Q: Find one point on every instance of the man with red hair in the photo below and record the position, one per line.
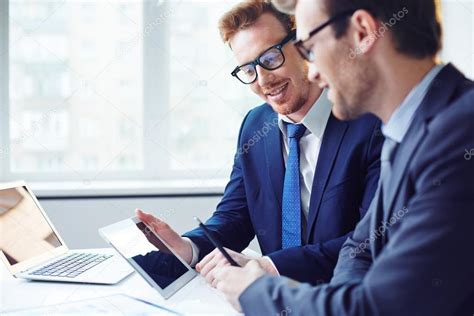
(301, 179)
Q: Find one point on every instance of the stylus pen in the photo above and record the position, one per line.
(216, 243)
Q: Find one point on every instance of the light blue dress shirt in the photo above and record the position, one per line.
(398, 124)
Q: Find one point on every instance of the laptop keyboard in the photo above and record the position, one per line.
(71, 266)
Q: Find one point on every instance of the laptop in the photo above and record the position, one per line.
(32, 248)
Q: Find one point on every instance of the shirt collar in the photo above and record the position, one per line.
(315, 120)
(398, 124)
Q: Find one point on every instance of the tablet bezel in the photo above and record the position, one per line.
(170, 289)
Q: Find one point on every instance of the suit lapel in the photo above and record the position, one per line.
(404, 155)
(330, 145)
(436, 100)
(376, 223)
(274, 160)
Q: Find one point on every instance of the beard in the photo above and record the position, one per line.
(293, 106)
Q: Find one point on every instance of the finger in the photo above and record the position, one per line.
(220, 285)
(221, 281)
(221, 274)
(154, 222)
(205, 260)
(140, 214)
(212, 267)
(144, 217)
(208, 273)
(209, 266)
(214, 283)
(210, 278)
(217, 270)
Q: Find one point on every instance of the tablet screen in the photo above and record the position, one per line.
(139, 245)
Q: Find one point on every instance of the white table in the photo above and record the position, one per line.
(197, 297)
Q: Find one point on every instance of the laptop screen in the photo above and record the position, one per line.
(24, 231)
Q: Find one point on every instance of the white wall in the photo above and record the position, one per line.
(458, 39)
(78, 220)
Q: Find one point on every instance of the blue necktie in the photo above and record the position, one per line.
(291, 204)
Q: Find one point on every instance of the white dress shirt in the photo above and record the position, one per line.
(315, 122)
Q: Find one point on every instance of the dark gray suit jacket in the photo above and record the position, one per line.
(418, 257)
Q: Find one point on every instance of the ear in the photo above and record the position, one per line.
(364, 32)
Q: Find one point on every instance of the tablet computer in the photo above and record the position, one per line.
(149, 255)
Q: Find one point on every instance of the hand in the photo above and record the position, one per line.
(216, 260)
(152, 238)
(173, 239)
(233, 281)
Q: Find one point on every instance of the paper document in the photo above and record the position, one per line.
(119, 304)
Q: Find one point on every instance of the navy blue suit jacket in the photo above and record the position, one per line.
(416, 257)
(345, 181)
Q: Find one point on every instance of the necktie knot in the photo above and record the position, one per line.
(295, 130)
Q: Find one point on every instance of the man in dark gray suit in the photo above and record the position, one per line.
(412, 253)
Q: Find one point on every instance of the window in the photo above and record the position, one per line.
(66, 103)
(126, 89)
(132, 89)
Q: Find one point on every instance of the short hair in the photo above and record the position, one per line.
(246, 14)
(414, 24)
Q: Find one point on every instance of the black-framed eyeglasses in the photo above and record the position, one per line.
(272, 58)
(307, 54)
